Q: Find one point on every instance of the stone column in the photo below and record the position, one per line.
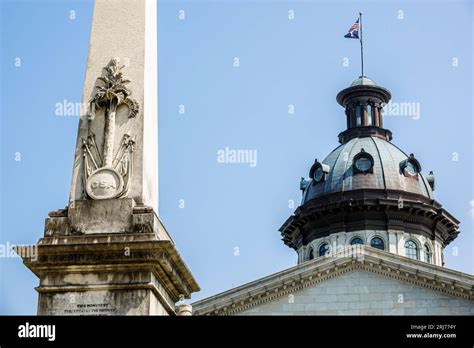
(437, 259)
(341, 239)
(185, 310)
(401, 244)
(333, 243)
(392, 242)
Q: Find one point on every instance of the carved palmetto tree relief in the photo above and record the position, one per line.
(109, 96)
(110, 93)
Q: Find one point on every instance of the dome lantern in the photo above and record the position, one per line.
(363, 101)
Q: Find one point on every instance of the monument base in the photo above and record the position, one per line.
(109, 274)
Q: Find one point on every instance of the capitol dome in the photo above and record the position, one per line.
(369, 191)
(387, 172)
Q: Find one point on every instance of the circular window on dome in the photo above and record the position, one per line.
(410, 167)
(318, 171)
(318, 174)
(363, 163)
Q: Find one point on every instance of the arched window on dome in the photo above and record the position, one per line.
(377, 243)
(356, 240)
(311, 254)
(323, 249)
(411, 250)
(358, 115)
(428, 253)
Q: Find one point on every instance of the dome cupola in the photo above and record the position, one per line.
(364, 101)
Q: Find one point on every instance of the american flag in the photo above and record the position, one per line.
(353, 31)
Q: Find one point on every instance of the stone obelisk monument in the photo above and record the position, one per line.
(108, 253)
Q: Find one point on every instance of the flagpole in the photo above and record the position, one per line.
(361, 45)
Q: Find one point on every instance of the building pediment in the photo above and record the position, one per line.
(314, 273)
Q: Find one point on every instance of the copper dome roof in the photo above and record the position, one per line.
(363, 80)
(387, 171)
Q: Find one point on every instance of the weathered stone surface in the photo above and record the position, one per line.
(101, 302)
(127, 30)
(108, 253)
(101, 216)
(115, 274)
(185, 310)
(105, 216)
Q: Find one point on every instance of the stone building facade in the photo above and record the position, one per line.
(356, 280)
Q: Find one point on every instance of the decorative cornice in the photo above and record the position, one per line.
(89, 253)
(341, 211)
(367, 131)
(347, 94)
(354, 258)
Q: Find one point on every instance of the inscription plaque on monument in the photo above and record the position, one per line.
(91, 309)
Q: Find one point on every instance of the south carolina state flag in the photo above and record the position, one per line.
(353, 31)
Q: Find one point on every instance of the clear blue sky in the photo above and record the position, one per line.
(282, 62)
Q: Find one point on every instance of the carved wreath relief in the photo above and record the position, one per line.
(107, 173)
